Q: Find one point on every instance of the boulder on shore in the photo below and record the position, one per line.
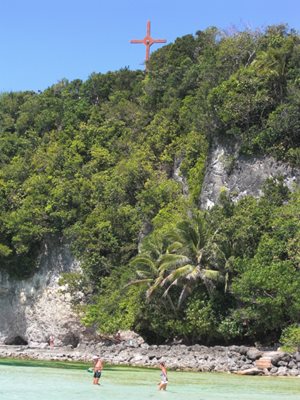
(250, 371)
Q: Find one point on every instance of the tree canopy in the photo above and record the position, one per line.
(115, 165)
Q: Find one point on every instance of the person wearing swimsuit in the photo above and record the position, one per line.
(164, 377)
(98, 366)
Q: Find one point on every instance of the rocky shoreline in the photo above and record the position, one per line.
(232, 359)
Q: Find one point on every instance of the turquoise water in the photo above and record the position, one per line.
(38, 383)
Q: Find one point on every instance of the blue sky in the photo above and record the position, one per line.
(44, 41)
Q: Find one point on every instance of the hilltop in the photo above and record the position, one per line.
(123, 167)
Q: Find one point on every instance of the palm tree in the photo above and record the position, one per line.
(187, 261)
(273, 64)
(180, 259)
(148, 266)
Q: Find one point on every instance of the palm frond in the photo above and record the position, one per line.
(171, 261)
(179, 273)
(144, 274)
(166, 292)
(142, 259)
(138, 282)
(212, 274)
(186, 290)
(174, 247)
(194, 274)
(154, 287)
(144, 262)
(226, 278)
(187, 233)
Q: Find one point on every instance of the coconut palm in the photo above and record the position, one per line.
(148, 264)
(189, 261)
(180, 259)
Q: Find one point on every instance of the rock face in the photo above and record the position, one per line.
(178, 177)
(35, 308)
(240, 175)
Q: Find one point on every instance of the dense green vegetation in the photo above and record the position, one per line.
(93, 163)
(290, 338)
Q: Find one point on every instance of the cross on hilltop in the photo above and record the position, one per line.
(148, 41)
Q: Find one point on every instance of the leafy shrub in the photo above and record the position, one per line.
(290, 338)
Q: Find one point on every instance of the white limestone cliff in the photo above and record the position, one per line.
(33, 309)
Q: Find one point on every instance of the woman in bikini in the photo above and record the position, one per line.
(163, 377)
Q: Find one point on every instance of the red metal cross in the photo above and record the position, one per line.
(148, 41)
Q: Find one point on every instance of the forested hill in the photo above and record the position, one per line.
(93, 163)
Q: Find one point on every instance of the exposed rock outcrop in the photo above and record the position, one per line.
(35, 308)
(179, 177)
(239, 175)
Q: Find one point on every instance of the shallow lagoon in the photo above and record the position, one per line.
(119, 383)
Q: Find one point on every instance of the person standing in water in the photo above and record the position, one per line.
(163, 377)
(98, 366)
(51, 342)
